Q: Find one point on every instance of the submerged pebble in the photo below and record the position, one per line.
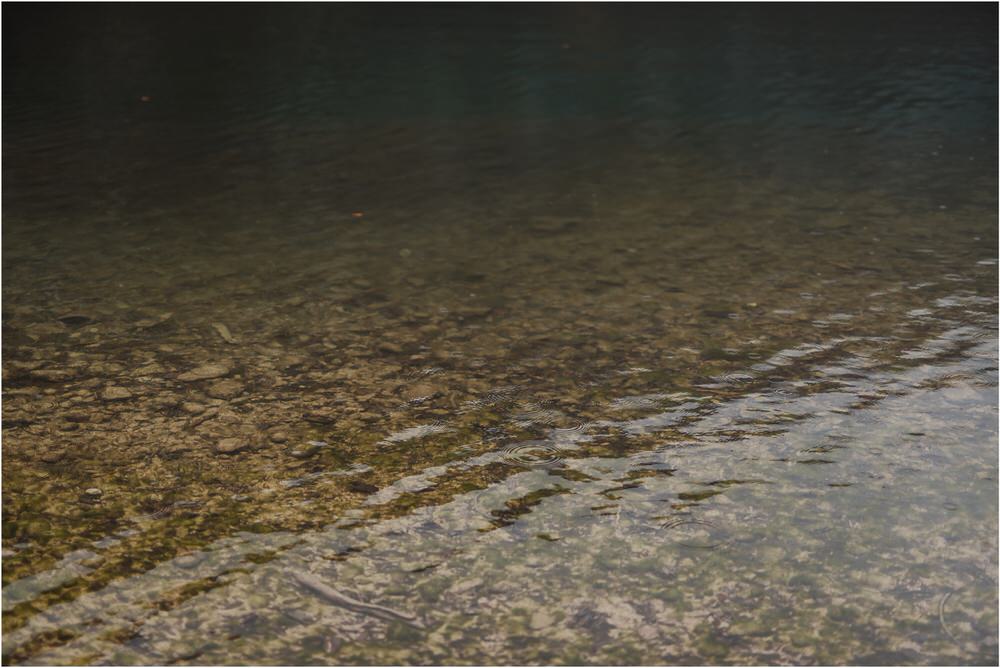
(541, 619)
(54, 375)
(304, 451)
(74, 319)
(421, 391)
(225, 389)
(190, 560)
(115, 393)
(52, 456)
(204, 372)
(228, 446)
(223, 332)
(361, 487)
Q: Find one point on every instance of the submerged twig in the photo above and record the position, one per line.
(331, 595)
(944, 601)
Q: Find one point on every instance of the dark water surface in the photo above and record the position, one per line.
(550, 334)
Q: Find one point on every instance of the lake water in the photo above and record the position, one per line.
(490, 335)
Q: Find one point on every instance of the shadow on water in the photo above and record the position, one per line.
(575, 335)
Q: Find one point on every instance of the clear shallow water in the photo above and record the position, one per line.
(652, 343)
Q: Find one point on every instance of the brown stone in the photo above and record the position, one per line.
(225, 389)
(229, 446)
(205, 372)
(115, 393)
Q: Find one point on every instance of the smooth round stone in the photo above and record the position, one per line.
(189, 560)
(304, 451)
(228, 446)
(115, 393)
(225, 389)
(421, 391)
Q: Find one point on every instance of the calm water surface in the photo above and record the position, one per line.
(577, 334)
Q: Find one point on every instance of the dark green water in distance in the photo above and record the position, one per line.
(576, 334)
